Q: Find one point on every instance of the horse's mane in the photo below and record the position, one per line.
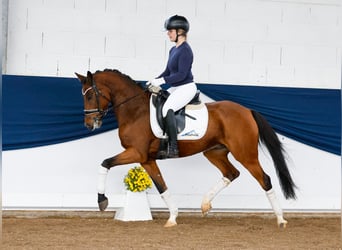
(118, 72)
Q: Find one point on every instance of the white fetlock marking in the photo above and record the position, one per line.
(101, 182)
(171, 221)
(208, 197)
(172, 208)
(276, 207)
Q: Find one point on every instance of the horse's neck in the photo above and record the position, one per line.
(130, 101)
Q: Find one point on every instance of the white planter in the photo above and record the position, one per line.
(136, 208)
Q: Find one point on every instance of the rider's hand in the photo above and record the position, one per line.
(152, 88)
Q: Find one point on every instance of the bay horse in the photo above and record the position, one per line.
(232, 128)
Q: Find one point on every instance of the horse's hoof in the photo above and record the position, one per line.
(282, 224)
(170, 223)
(103, 205)
(206, 207)
(102, 201)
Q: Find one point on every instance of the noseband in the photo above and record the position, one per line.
(97, 95)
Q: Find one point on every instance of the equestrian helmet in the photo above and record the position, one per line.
(177, 22)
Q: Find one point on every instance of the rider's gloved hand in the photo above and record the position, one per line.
(154, 85)
(151, 88)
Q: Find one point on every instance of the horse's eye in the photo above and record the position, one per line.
(89, 96)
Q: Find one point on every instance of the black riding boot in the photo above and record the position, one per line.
(171, 131)
(162, 151)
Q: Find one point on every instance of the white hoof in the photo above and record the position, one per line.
(170, 223)
(282, 223)
(206, 207)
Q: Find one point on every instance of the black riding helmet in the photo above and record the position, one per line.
(177, 22)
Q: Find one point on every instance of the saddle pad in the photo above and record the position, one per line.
(194, 129)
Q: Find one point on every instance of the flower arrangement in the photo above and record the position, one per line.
(137, 180)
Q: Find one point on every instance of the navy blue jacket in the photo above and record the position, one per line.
(178, 68)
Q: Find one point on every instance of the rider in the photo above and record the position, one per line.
(177, 74)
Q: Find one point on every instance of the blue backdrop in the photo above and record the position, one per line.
(40, 111)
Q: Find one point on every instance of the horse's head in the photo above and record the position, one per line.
(96, 101)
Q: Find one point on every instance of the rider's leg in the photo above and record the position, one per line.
(171, 130)
(179, 97)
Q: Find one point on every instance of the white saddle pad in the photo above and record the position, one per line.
(194, 129)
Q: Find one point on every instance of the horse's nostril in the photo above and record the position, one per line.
(89, 127)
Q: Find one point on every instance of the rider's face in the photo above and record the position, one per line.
(172, 35)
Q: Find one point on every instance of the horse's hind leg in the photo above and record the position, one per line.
(276, 208)
(264, 180)
(219, 157)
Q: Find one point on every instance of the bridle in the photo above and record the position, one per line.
(98, 94)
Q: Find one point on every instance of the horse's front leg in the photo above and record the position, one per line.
(153, 170)
(130, 155)
(102, 200)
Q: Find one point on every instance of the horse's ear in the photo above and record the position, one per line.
(81, 78)
(90, 77)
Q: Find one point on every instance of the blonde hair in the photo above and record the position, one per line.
(181, 32)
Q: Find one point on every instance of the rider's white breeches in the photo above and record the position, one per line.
(179, 97)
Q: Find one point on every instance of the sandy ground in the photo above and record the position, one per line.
(95, 230)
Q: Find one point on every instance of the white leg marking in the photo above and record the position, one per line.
(276, 207)
(172, 208)
(101, 181)
(208, 197)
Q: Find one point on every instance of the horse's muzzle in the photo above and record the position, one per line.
(93, 124)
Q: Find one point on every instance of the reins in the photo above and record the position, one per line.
(97, 95)
(127, 100)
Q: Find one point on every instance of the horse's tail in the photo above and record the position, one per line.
(268, 137)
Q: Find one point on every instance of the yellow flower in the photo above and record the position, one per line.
(137, 179)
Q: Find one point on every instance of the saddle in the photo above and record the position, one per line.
(159, 100)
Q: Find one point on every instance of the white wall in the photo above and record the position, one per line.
(293, 43)
(267, 42)
(64, 176)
